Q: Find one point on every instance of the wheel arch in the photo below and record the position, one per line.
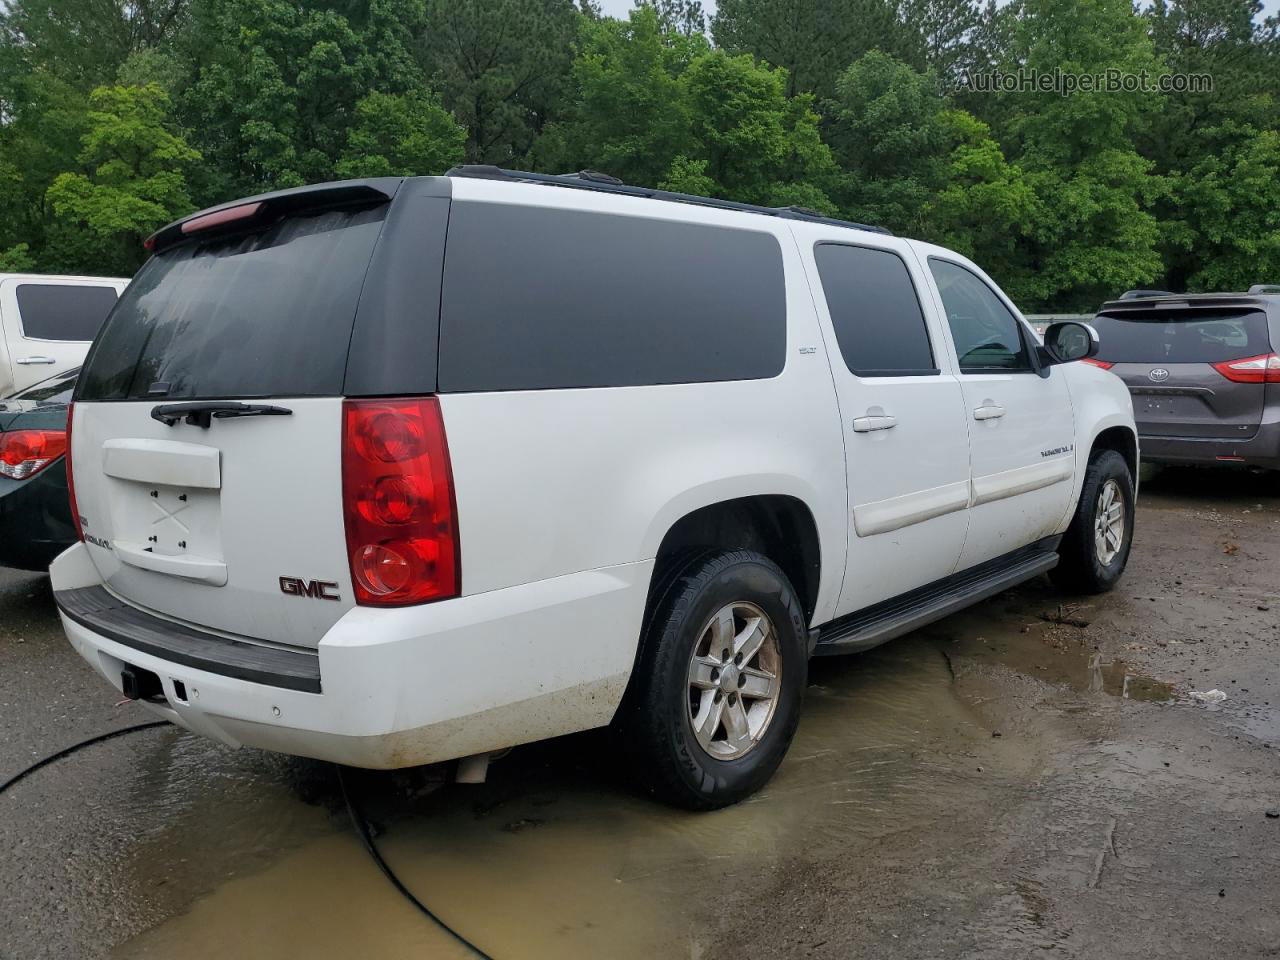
(781, 527)
(1122, 439)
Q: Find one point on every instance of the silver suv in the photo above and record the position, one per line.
(1204, 374)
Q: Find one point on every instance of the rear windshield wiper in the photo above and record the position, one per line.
(201, 413)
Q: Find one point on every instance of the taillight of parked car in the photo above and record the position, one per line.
(1262, 369)
(24, 453)
(1095, 362)
(401, 516)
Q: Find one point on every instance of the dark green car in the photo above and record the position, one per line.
(35, 512)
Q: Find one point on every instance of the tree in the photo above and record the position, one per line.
(1229, 205)
(885, 134)
(84, 42)
(984, 207)
(813, 40)
(402, 136)
(750, 142)
(628, 116)
(945, 32)
(1096, 234)
(684, 17)
(131, 181)
(502, 68)
(277, 85)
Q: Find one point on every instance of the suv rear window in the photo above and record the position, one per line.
(538, 298)
(1176, 337)
(261, 314)
(62, 311)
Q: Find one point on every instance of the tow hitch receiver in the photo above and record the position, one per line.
(139, 684)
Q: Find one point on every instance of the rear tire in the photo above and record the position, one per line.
(1095, 549)
(717, 690)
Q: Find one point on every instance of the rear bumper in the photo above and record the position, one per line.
(413, 685)
(1261, 450)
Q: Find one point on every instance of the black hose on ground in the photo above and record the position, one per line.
(67, 751)
(357, 820)
(362, 828)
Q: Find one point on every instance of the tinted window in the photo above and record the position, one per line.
(1159, 337)
(54, 390)
(986, 333)
(262, 314)
(874, 310)
(63, 312)
(536, 298)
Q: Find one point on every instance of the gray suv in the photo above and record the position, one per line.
(1203, 372)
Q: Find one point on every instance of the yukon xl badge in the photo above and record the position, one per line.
(1057, 450)
(315, 589)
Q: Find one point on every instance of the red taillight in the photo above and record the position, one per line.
(1261, 369)
(24, 453)
(1095, 362)
(71, 486)
(397, 491)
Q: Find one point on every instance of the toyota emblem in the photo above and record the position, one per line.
(1158, 375)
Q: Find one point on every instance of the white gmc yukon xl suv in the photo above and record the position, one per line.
(397, 471)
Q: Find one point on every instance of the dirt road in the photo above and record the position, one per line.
(1032, 774)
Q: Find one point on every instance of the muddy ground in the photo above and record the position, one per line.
(1029, 775)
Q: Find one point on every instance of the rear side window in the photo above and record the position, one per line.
(262, 314)
(875, 311)
(58, 311)
(1174, 337)
(538, 298)
(986, 333)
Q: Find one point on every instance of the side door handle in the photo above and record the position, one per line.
(28, 361)
(988, 411)
(872, 423)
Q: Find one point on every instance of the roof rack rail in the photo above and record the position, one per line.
(602, 182)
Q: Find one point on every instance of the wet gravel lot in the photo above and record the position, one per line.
(1032, 774)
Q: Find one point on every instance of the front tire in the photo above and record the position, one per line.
(717, 691)
(1095, 549)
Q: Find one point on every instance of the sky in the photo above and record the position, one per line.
(619, 8)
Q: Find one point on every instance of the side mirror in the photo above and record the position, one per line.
(1068, 341)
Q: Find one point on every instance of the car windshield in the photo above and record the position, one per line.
(54, 390)
(1173, 337)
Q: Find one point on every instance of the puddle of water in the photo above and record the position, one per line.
(324, 900)
(552, 859)
(1055, 654)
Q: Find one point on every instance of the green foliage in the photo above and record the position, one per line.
(1231, 204)
(120, 114)
(502, 67)
(401, 136)
(133, 180)
(813, 40)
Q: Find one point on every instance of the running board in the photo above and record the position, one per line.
(909, 611)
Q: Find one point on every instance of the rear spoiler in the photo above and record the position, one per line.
(272, 206)
(1135, 309)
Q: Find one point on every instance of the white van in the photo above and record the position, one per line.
(47, 323)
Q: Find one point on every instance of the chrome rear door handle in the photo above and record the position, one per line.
(27, 361)
(988, 411)
(869, 424)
